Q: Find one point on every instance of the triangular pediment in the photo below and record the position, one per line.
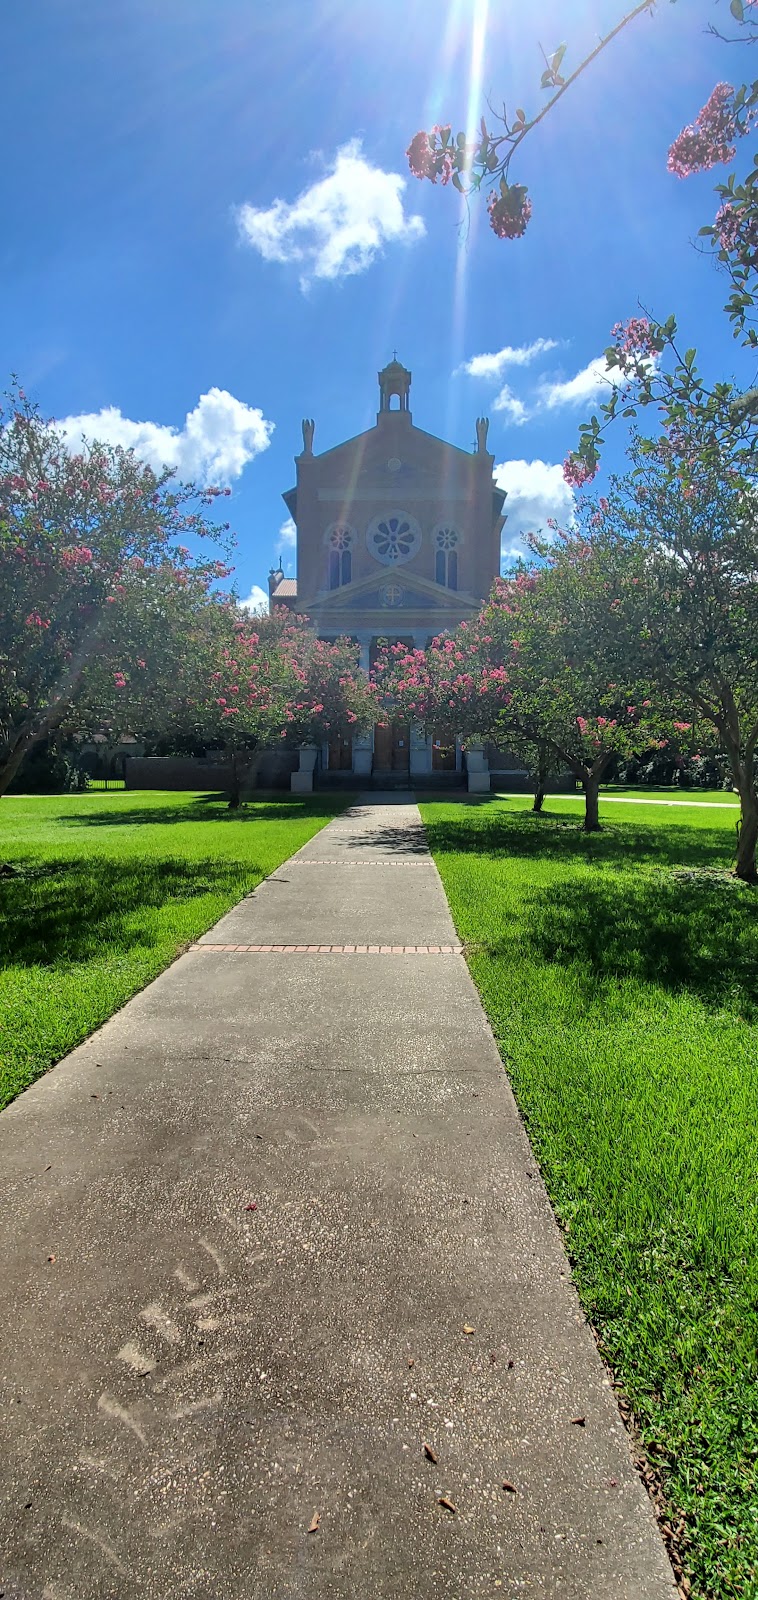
(392, 589)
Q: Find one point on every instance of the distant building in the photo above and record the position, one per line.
(398, 536)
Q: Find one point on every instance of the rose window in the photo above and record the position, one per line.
(394, 538)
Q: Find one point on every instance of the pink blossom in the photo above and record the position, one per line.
(709, 139)
(738, 232)
(77, 556)
(577, 471)
(509, 213)
(119, 680)
(633, 339)
(34, 620)
(682, 727)
(421, 157)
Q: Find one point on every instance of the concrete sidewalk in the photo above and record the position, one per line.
(272, 1230)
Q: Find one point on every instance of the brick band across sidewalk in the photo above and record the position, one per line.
(285, 1312)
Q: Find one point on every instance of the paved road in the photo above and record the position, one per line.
(269, 1233)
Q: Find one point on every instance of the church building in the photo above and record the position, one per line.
(398, 537)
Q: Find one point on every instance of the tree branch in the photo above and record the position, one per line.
(646, 5)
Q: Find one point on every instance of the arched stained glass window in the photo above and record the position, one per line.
(339, 543)
(446, 557)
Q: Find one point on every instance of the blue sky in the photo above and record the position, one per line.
(208, 216)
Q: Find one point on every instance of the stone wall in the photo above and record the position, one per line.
(267, 769)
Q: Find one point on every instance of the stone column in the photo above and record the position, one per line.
(301, 782)
(478, 770)
(420, 753)
(363, 752)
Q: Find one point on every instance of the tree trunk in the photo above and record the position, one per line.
(748, 832)
(541, 775)
(235, 798)
(18, 752)
(591, 787)
(742, 762)
(10, 766)
(41, 723)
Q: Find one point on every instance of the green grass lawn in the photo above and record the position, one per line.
(689, 797)
(620, 975)
(112, 885)
(617, 791)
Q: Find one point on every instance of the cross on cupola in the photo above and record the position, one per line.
(394, 379)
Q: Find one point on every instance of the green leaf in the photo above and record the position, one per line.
(557, 58)
(738, 10)
(456, 180)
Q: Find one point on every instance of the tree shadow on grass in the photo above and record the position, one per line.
(73, 910)
(556, 836)
(207, 808)
(695, 936)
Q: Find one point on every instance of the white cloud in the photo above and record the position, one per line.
(535, 490)
(594, 380)
(257, 600)
(286, 541)
(491, 366)
(217, 440)
(338, 225)
(514, 409)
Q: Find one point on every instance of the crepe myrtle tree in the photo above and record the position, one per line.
(541, 667)
(273, 681)
(458, 686)
(98, 593)
(462, 686)
(486, 161)
(579, 688)
(650, 371)
(681, 535)
(695, 479)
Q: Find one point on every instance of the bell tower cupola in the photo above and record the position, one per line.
(394, 380)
